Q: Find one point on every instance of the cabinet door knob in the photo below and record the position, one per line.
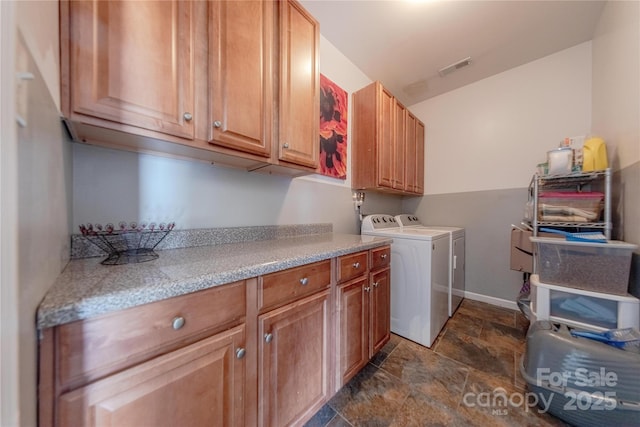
(187, 116)
(375, 284)
(240, 353)
(285, 145)
(367, 289)
(268, 338)
(217, 124)
(177, 322)
(304, 281)
(383, 256)
(356, 265)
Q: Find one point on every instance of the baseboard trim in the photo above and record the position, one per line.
(491, 300)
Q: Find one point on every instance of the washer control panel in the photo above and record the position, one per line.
(379, 222)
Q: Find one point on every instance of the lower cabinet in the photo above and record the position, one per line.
(380, 323)
(353, 309)
(269, 351)
(179, 361)
(200, 384)
(293, 361)
(364, 315)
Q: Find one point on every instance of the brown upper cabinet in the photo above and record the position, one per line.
(125, 67)
(233, 82)
(388, 143)
(299, 77)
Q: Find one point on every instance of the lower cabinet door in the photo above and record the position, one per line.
(293, 361)
(380, 310)
(353, 309)
(201, 384)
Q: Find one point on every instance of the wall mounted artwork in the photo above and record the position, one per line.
(333, 129)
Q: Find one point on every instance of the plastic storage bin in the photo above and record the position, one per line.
(581, 381)
(570, 206)
(583, 309)
(599, 267)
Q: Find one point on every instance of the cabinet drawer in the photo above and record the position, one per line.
(94, 348)
(380, 257)
(350, 266)
(279, 288)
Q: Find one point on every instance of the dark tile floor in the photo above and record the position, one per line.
(474, 358)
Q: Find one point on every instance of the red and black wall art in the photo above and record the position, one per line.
(333, 129)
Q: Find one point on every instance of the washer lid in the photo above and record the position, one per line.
(408, 233)
(452, 230)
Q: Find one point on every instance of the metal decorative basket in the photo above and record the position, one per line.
(130, 243)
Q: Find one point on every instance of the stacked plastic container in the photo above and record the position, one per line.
(582, 286)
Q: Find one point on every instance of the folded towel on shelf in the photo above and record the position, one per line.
(557, 210)
(563, 218)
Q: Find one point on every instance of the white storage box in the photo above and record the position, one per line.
(599, 267)
(583, 309)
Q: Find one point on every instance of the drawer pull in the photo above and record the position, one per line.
(356, 265)
(304, 281)
(240, 353)
(367, 289)
(375, 284)
(177, 322)
(268, 338)
(383, 256)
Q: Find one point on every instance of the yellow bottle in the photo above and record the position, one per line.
(594, 155)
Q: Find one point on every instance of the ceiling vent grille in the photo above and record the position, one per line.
(455, 66)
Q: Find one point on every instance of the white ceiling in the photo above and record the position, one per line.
(403, 43)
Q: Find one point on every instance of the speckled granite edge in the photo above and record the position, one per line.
(177, 239)
(86, 288)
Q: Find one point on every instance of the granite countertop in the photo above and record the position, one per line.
(87, 288)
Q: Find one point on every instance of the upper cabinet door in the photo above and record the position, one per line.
(420, 141)
(386, 137)
(399, 146)
(132, 62)
(411, 163)
(241, 75)
(299, 86)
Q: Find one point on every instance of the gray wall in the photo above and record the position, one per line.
(487, 217)
(627, 216)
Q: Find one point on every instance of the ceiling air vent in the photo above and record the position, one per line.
(455, 66)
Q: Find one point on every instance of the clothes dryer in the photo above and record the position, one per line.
(456, 281)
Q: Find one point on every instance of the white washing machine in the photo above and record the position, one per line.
(419, 277)
(456, 256)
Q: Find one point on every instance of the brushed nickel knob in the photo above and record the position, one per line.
(285, 145)
(240, 353)
(304, 281)
(217, 124)
(375, 284)
(367, 289)
(268, 338)
(356, 265)
(177, 322)
(187, 116)
(383, 256)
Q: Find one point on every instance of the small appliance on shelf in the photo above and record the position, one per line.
(130, 243)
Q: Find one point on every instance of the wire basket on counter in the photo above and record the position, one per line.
(130, 243)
